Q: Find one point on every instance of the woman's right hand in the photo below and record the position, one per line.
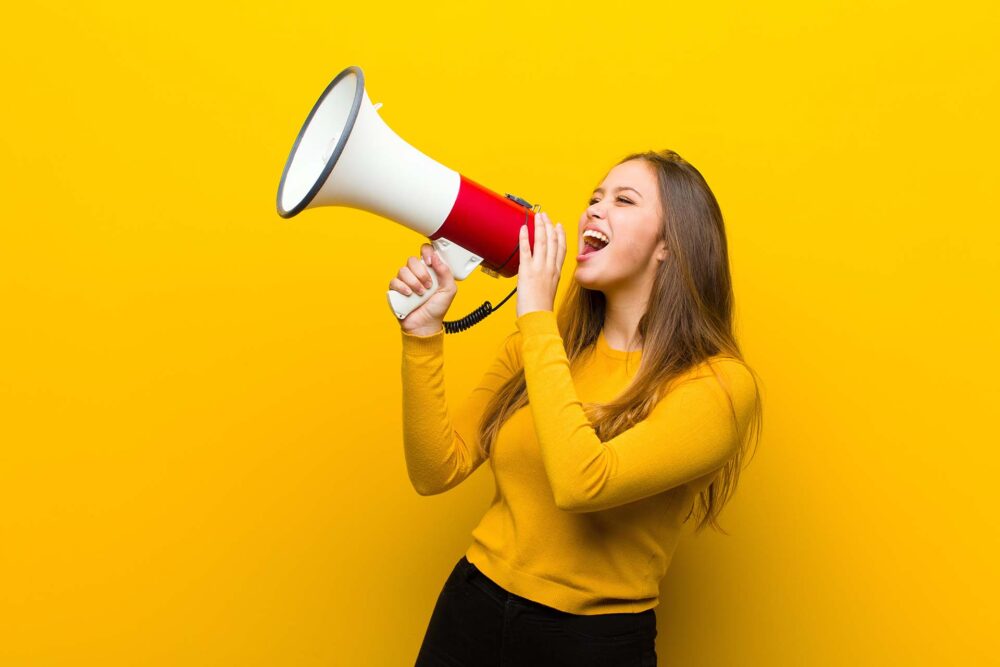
(428, 318)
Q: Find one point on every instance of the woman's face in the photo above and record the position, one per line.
(625, 207)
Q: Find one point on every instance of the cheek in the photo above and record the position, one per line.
(630, 254)
(642, 244)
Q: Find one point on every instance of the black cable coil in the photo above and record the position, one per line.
(476, 316)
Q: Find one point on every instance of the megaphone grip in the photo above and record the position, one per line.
(404, 304)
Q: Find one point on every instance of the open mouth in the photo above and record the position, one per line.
(594, 241)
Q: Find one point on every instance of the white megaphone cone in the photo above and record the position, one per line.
(345, 155)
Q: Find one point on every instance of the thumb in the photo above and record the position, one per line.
(442, 269)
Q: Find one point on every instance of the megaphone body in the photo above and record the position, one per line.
(345, 155)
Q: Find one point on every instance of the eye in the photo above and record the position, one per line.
(594, 200)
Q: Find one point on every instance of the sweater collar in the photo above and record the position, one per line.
(607, 350)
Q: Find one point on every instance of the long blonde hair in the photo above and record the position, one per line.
(689, 318)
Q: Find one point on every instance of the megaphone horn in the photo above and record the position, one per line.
(345, 155)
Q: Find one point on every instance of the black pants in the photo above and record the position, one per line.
(477, 623)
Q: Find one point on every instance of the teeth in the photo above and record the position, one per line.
(597, 235)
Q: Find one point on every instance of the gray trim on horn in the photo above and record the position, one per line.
(352, 117)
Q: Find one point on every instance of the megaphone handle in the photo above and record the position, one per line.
(403, 304)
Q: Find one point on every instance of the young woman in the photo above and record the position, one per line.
(606, 427)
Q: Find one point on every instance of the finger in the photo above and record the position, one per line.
(524, 244)
(553, 236)
(419, 269)
(446, 280)
(538, 254)
(427, 252)
(400, 287)
(410, 280)
(561, 250)
(435, 262)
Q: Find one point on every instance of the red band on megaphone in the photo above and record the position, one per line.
(488, 224)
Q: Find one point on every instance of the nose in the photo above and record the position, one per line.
(593, 211)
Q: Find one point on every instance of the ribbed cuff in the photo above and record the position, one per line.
(537, 322)
(426, 345)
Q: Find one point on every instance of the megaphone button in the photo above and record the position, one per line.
(519, 200)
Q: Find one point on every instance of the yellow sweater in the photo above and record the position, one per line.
(584, 526)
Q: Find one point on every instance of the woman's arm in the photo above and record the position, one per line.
(689, 433)
(441, 452)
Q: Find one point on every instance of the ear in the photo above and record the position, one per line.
(661, 251)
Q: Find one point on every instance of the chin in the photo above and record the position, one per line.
(588, 283)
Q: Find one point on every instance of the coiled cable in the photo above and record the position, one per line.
(476, 316)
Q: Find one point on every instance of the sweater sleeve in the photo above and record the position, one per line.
(689, 433)
(440, 451)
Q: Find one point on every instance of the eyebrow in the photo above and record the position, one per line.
(619, 189)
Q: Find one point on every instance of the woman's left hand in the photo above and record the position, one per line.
(539, 271)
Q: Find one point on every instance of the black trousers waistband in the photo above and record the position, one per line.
(475, 576)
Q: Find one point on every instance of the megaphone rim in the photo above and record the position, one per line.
(341, 142)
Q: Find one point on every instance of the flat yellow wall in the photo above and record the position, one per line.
(200, 450)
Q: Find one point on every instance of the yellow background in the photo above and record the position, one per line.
(201, 456)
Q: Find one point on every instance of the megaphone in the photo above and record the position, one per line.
(345, 155)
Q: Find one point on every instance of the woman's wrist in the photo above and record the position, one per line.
(424, 332)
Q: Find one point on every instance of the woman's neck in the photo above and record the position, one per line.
(621, 323)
